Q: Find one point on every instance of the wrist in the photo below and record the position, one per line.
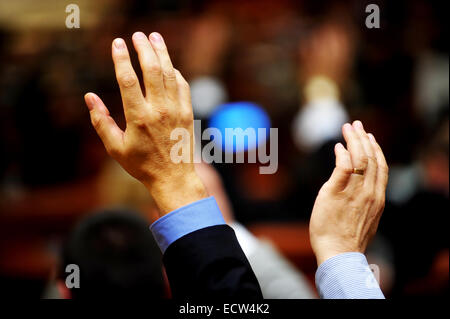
(173, 192)
(324, 254)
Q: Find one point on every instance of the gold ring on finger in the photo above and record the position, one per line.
(358, 171)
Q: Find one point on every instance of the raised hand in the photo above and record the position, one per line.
(349, 205)
(144, 148)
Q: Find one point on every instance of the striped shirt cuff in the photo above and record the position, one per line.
(347, 276)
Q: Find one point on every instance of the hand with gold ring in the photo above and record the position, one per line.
(349, 205)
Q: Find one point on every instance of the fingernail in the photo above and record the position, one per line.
(155, 36)
(371, 137)
(358, 125)
(119, 44)
(90, 101)
(139, 36)
(339, 145)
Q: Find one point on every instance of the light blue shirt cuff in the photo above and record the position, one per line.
(184, 220)
(347, 276)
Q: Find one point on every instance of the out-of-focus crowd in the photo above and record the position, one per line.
(311, 65)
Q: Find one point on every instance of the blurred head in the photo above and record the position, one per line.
(117, 257)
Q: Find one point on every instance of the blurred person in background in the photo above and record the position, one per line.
(117, 257)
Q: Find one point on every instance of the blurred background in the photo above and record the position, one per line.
(310, 66)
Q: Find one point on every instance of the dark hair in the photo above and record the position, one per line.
(117, 257)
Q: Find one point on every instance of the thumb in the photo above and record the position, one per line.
(105, 126)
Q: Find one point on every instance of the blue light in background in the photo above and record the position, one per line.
(239, 115)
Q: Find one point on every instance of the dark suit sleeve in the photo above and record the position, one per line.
(210, 264)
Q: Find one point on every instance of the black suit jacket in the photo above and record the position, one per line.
(209, 264)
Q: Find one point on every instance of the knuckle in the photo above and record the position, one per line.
(169, 75)
(162, 114)
(370, 199)
(154, 69)
(363, 159)
(121, 57)
(181, 81)
(141, 122)
(186, 122)
(186, 115)
(127, 79)
(184, 84)
(177, 73)
(366, 194)
(372, 159)
(351, 198)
